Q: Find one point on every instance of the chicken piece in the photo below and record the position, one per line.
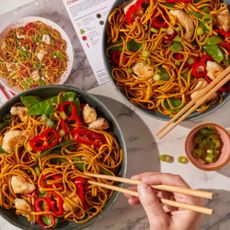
(20, 185)
(10, 66)
(11, 140)
(185, 21)
(201, 84)
(46, 39)
(3, 45)
(142, 70)
(223, 19)
(20, 111)
(74, 204)
(100, 124)
(35, 75)
(170, 31)
(128, 4)
(213, 69)
(20, 35)
(40, 53)
(23, 205)
(89, 114)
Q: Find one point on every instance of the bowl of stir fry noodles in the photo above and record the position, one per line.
(162, 53)
(49, 137)
(34, 51)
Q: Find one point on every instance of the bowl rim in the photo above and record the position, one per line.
(150, 113)
(123, 171)
(193, 159)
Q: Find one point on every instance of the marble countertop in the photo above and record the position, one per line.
(142, 145)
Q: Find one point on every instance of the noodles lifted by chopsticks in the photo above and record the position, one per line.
(163, 54)
(45, 148)
(32, 55)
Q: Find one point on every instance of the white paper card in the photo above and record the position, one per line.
(88, 18)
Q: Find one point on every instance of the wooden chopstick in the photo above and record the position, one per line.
(2, 88)
(211, 88)
(172, 203)
(169, 188)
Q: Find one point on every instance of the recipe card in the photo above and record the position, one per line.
(88, 18)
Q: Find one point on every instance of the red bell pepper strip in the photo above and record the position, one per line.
(57, 44)
(79, 182)
(199, 68)
(178, 1)
(159, 22)
(223, 33)
(31, 194)
(28, 26)
(28, 44)
(226, 45)
(56, 203)
(55, 62)
(89, 137)
(72, 120)
(116, 54)
(43, 182)
(178, 56)
(47, 139)
(39, 204)
(116, 57)
(136, 10)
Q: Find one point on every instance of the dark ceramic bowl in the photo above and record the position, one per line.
(49, 91)
(152, 113)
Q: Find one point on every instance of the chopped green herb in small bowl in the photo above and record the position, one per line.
(208, 146)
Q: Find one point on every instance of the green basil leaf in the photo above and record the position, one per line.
(29, 101)
(132, 45)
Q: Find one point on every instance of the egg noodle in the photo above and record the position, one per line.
(32, 55)
(58, 170)
(154, 38)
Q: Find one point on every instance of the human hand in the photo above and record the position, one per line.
(162, 217)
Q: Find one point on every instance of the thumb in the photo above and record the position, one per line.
(152, 206)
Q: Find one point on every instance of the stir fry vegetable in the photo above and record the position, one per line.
(166, 158)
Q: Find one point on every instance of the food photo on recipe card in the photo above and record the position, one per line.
(83, 21)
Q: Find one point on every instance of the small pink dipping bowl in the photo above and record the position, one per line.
(225, 151)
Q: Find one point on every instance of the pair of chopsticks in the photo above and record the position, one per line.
(208, 91)
(5, 93)
(169, 188)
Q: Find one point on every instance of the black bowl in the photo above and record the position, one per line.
(49, 91)
(152, 113)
